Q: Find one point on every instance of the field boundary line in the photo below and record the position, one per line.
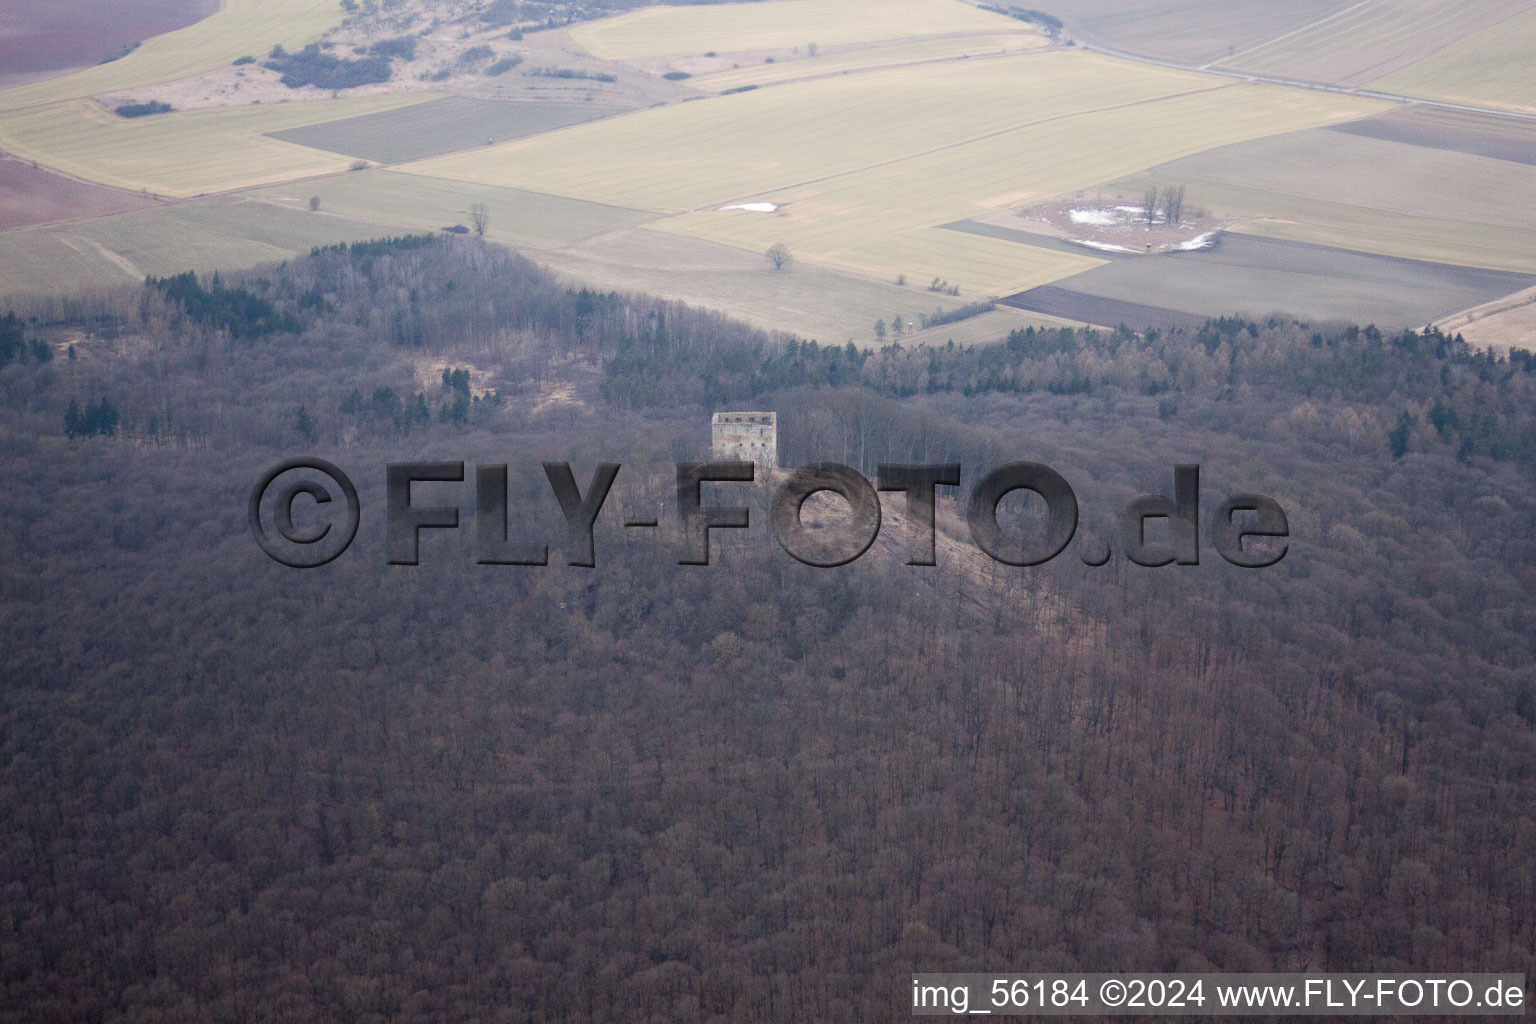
(840, 49)
(966, 142)
(1301, 83)
(38, 165)
(1026, 52)
(1286, 35)
(1472, 314)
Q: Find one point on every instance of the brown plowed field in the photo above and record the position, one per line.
(30, 195)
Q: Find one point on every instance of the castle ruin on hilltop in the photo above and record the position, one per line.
(747, 437)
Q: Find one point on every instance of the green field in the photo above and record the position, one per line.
(223, 232)
(989, 44)
(242, 27)
(779, 24)
(443, 126)
(413, 203)
(1363, 193)
(1495, 67)
(184, 153)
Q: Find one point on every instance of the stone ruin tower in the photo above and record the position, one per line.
(747, 437)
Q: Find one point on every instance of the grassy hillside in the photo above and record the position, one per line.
(241, 28)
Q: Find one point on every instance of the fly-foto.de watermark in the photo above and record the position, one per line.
(1248, 530)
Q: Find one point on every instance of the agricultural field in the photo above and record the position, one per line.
(442, 126)
(803, 299)
(1457, 131)
(218, 233)
(1255, 277)
(184, 153)
(1505, 323)
(686, 156)
(407, 202)
(878, 218)
(1193, 31)
(1495, 67)
(41, 37)
(863, 167)
(986, 327)
(1372, 39)
(976, 265)
(1101, 311)
(728, 28)
(241, 27)
(904, 118)
(862, 58)
(30, 195)
(1355, 192)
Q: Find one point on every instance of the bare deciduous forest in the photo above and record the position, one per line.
(754, 791)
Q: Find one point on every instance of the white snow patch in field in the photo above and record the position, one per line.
(1204, 241)
(753, 207)
(1105, 246)
(1099, 218)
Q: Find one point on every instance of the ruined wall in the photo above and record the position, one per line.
(747, 436)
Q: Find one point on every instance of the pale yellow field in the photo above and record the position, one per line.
(701, 154)
(1501, 325)
(979, 266)
(988, 327)
(777, 24)
(883, 219)
(1371, 39)
(241, 27)
(867, 167)
(988, 44)
(185, 153)
(1494, 67)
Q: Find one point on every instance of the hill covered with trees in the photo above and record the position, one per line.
(752, 791)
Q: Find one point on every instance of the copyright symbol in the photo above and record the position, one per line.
(300, 538)
(1112, 992)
